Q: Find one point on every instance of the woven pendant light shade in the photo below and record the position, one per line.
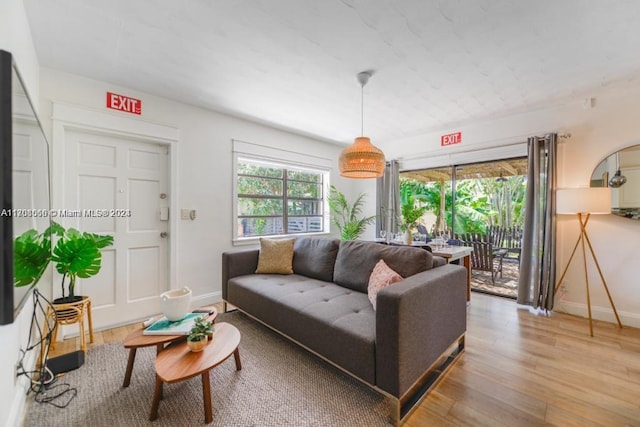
(361, 160)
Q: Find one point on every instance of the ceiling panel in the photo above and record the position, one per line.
(292, 63)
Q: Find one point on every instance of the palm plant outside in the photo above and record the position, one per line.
(348, 216)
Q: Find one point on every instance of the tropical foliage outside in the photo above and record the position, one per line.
(480, 203)
(277, 200)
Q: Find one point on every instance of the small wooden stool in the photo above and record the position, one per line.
(70, 313)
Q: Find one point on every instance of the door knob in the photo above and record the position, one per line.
(164, 234)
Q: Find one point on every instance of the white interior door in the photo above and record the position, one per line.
(126, 183)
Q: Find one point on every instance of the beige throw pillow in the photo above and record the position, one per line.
(276, 256)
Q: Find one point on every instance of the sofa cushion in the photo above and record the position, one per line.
(381, 277)
(276, 256)
(356, 260)
(333, 321)
(315, 257)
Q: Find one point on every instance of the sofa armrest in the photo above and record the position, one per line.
(417, 319)
(238, 263)
(438, 261)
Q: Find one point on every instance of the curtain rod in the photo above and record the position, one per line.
(566, 135)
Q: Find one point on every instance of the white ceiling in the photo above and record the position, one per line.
(293, 63)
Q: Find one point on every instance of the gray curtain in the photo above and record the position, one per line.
(538, 267)
(388, 198)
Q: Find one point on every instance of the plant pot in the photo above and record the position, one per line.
(68, 300)
(408, 238)
(196, 346)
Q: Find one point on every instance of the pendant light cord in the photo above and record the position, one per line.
(362, 109)
(363, 78)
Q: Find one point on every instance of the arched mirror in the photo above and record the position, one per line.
(621, 172)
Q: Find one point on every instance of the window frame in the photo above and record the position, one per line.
(286, 166)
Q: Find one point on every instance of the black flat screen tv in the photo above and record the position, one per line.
(25, 182)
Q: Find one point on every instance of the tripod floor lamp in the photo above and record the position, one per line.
(585, 202)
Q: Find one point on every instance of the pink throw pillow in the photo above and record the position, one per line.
(381, 277)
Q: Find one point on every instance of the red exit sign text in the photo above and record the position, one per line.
(124, 103)
(452, 138)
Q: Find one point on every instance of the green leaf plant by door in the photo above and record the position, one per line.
(76, 254)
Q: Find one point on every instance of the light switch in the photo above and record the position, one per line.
(184, 214)
(164, 214)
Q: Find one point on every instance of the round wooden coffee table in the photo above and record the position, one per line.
(178, 363)
(137, 339)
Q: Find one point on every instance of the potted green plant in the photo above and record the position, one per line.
(348, 217)
(77, 254)
(31, 256)
(199, 334)
(411, 214)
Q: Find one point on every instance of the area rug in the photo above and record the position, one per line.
(279, 384)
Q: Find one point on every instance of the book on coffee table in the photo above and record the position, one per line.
(164, 326)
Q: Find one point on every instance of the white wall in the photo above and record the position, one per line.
(596, 132)
(204, 176)
(15, 37)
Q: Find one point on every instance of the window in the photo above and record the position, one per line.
(273, 199)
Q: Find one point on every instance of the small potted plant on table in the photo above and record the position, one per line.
(411, 214)
(199, 334)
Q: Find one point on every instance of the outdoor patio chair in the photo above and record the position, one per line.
(508, 239)
(485, 258)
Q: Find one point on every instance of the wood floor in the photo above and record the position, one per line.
(522, 369)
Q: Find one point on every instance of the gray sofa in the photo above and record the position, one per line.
(400, 349)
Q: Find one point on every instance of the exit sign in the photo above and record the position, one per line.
(450, 139)
(124, 103)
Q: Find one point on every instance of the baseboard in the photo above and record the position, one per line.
(207, 299)
(604, 314)
(72, 331)
(19, 404)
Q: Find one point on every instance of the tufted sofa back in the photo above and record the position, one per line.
(356, 259)
(315, 257)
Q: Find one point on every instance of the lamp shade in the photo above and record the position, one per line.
(361, 160)
(596, 200)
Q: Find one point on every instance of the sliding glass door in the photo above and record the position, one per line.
(481, 204)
